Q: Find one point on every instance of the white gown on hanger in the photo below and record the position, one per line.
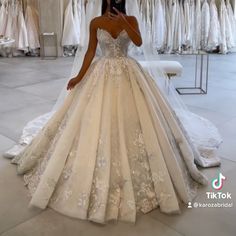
(114, 148)
(169, 40)
(205, 24)
(172, 24)
(198, 24)
(228, 29)
(232, 21)
(81, 6)
(182, 22)
(3, 18)
(77, 18)
(9, 24)
(214, 39)
(188, 33)
(32, 25)
(23, 42)
(192, 25)
(177, 40)
(159, 26)
(70, 36)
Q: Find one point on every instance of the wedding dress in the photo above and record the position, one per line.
(81, 7)
(9, 32)
(70, 36)
(23, 37)
(187, 19)
(3, 18)
(192, 25)
(172, 8)
(32, 25)
(226, 29)
(77, 18)
(205, 24)
(232, 21)
(178, 28)
(169, 41)
(214, 39)
(159, 26)
(198, 24)
(114, 148)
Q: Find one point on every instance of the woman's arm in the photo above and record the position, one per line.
(88, 58)
(131, 26)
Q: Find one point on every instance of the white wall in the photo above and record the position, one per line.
(51, 20)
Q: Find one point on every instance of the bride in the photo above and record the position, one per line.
(115, 147)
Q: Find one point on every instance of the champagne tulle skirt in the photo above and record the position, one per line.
(113, 149)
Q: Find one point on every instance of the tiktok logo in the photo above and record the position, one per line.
(217, 183)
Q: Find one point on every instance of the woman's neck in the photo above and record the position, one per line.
(107, 11)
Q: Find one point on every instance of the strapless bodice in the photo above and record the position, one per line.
(113, 47)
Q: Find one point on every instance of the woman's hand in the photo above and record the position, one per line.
(130, 24)
(72, 83)
(120, 17)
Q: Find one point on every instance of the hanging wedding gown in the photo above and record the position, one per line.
(81, 5)
(172, 8)
(9, 31)
(32, 25)
(224, 24)
(3, 18)
(178, 29)
(192, 25)
(169, 28)
(198, 24)
(23, 37)
(188, 33)
(114, 148)
(214, 39)
(232, 21)
(205, 24)
(70, 36)
(77, 18)
(159, 26)
(182, 22)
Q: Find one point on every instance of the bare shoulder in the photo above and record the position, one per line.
(132, 19)
(97, 22)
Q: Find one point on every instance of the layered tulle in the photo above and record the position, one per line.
(113, 149)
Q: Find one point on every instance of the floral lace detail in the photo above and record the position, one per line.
(145, 196)
(124, 176)
(32, 178)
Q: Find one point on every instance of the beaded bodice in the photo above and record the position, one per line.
(113, 47)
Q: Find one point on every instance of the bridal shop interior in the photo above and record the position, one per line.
(195, 46)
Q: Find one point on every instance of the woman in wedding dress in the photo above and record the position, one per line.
(115, 147)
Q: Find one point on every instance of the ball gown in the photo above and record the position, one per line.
(114, 148)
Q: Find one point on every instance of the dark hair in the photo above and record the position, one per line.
(120, 6)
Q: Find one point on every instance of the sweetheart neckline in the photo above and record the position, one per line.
(111, 35)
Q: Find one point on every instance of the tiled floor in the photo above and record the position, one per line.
(29, 87)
